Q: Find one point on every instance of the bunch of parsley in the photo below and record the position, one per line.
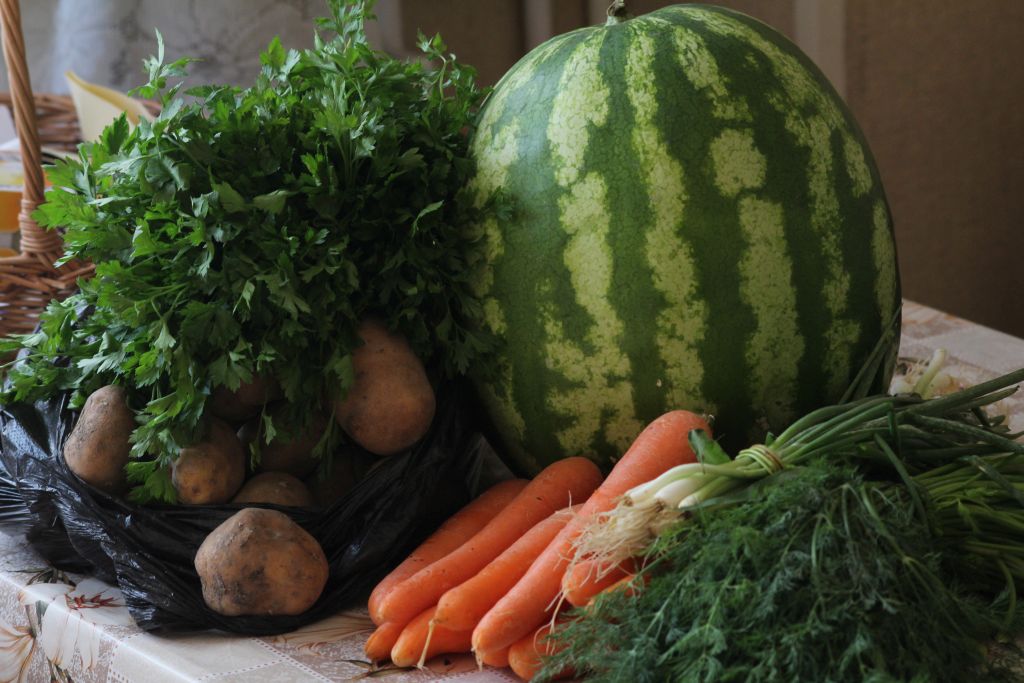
(249, 230)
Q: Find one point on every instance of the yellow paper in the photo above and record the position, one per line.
(98, 106)
(11, 178)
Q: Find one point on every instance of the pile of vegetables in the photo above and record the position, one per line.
(878, 539)
(281, 276)
(874, 540)
(243, 237)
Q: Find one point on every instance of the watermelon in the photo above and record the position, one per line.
(696, 222)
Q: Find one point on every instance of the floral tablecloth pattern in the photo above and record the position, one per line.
(56, 626)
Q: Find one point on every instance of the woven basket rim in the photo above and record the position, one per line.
(28, 282)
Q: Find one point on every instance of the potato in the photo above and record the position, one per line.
(390, 404)
(97, 449)
(245, 401)
(212, 470)
(260, 562)
(278, 488)
(293, 455)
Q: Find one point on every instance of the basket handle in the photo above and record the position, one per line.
(34, 240)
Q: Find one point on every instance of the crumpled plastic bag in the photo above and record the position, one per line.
(148, 551)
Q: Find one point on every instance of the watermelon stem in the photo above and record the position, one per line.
(617, 13)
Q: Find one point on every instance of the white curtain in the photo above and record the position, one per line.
(105, 41)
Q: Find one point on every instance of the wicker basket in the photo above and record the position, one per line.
(30, 280)
(56, 120)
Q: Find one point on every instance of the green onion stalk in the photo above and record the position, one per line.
(976, 506)
(963, 469)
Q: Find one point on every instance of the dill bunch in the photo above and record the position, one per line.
(818, 574)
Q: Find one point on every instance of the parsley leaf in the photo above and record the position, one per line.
(248, 230)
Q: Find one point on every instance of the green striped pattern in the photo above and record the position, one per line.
(698, 224)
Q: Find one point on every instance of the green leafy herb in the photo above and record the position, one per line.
(248, 231)
(877, 540)
(820, 575)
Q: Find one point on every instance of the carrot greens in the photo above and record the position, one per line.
(876, 540)
(818, 575)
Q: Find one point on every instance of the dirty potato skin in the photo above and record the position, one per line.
(260, 562)
(97, 449)
(212, 470)
(245, 401)
(390, 404)
(278, 488)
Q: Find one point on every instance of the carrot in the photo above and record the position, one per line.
(662, 444)
(557, 486)
(420, 640)
(498, 659)
(378, 645)
(458, 529)
(526, 656)
(624, 584)
(463, 606)
(585, 579)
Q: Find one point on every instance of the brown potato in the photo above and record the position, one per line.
(260, 562)
(245, 401)
(292, 455)
(97, 449)
(278, 488)
(390, 404)
(212, 470)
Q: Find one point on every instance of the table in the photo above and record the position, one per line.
(55, 626)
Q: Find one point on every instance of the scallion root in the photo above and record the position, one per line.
(621, 533)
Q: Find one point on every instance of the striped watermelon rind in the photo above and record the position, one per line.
(698, 224)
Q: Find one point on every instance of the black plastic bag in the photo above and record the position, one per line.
(149, 550)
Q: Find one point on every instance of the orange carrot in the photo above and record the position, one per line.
(378, 645)
(458, 529)
(624, 584)
(558, 485)
(413, 648)
(498, 659)
(663, 444)
(526, 656)
(586, 578)
(462, 607)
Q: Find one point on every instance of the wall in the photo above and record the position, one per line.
(491, 35)
(938, 88)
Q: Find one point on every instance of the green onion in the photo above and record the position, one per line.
(903, 434)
